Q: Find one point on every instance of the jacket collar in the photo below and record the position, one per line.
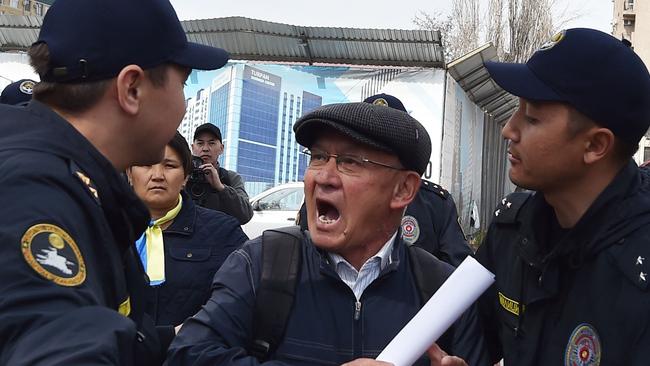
(127, 216)
(185, 222)
(606, 221)
(394, 260)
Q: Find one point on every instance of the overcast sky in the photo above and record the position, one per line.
(369, 14)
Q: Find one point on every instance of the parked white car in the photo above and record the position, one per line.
(275, 207)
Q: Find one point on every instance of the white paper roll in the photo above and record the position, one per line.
(460, 290)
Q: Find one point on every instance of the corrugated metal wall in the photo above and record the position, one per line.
(495, 182)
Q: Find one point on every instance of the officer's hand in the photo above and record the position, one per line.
(212, 176)
(439, 357)
(366, 362)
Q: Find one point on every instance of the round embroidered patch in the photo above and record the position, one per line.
(583, 348)
(380, 101)
(410, 229)
(27, 87)
(557, 38)
(52, 253)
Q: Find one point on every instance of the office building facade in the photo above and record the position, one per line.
(255, 113)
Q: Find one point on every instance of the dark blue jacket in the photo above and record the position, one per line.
(196, 244)
(583, 300)
(430, 222)
(68, 222)
(436, 228)
(324, 327)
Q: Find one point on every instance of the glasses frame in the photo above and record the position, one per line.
(337, 158)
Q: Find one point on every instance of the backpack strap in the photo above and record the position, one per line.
(281, 258)
(430, 273)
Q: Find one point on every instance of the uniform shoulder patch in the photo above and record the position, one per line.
(85, 180)
(583, 347)
(53, 254)
(435, 188)
(508, 208)
(410, 229)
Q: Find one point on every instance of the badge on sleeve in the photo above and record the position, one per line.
(52, 253)
(583, 348)
(410, 229)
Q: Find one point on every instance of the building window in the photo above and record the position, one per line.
(39, 8)
(13, 3)
(27, 5)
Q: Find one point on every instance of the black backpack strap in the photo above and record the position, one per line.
(281, 257)
(430, 273)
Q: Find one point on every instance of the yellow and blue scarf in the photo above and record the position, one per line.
(151, 247)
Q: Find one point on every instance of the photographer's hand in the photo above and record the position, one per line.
(212, 176)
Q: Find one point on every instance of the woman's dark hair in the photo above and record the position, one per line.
(179, 144)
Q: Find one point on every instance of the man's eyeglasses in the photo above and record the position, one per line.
(345, 163)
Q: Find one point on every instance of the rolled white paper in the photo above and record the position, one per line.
(460, 290)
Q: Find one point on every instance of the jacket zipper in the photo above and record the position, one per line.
(357, 329)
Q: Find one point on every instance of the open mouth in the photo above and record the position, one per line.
(327, 213)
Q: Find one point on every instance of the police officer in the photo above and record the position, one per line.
(18, 93)
(111, 96)
(571, 260)
(431, 220)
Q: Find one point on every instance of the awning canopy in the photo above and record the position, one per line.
(474, 78)
(251, 39)
(18, 32)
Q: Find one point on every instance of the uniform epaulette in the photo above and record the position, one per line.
(85, 181)
(507, 210)
(435, 188)
(632, 257)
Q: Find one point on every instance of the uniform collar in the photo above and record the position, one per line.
(606, 221)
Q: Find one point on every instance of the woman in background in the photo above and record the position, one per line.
(185, 244)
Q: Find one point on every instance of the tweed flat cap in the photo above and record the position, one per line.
(386, 129)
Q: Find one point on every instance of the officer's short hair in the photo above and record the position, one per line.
(76, 97)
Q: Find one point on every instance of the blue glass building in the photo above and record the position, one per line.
(255, 113)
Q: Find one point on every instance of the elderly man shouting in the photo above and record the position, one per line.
(356, 284)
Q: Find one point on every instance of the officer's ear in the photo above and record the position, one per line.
(405, 189)
(129, 85)
(599, 143)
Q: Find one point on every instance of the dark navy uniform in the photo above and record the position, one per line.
(71, 283)
(571, 297)
(430, 222)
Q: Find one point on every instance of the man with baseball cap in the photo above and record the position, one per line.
(18, 93)
(110, 96)
(218, 188)
(571, 259)
(431, 220)
(354, 288)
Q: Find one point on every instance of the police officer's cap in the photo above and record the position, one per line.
(386, 100)
(18, 93)
(386, 129)
(597, 74)
(92, 40)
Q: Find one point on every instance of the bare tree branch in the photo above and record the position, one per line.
(517, 28)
